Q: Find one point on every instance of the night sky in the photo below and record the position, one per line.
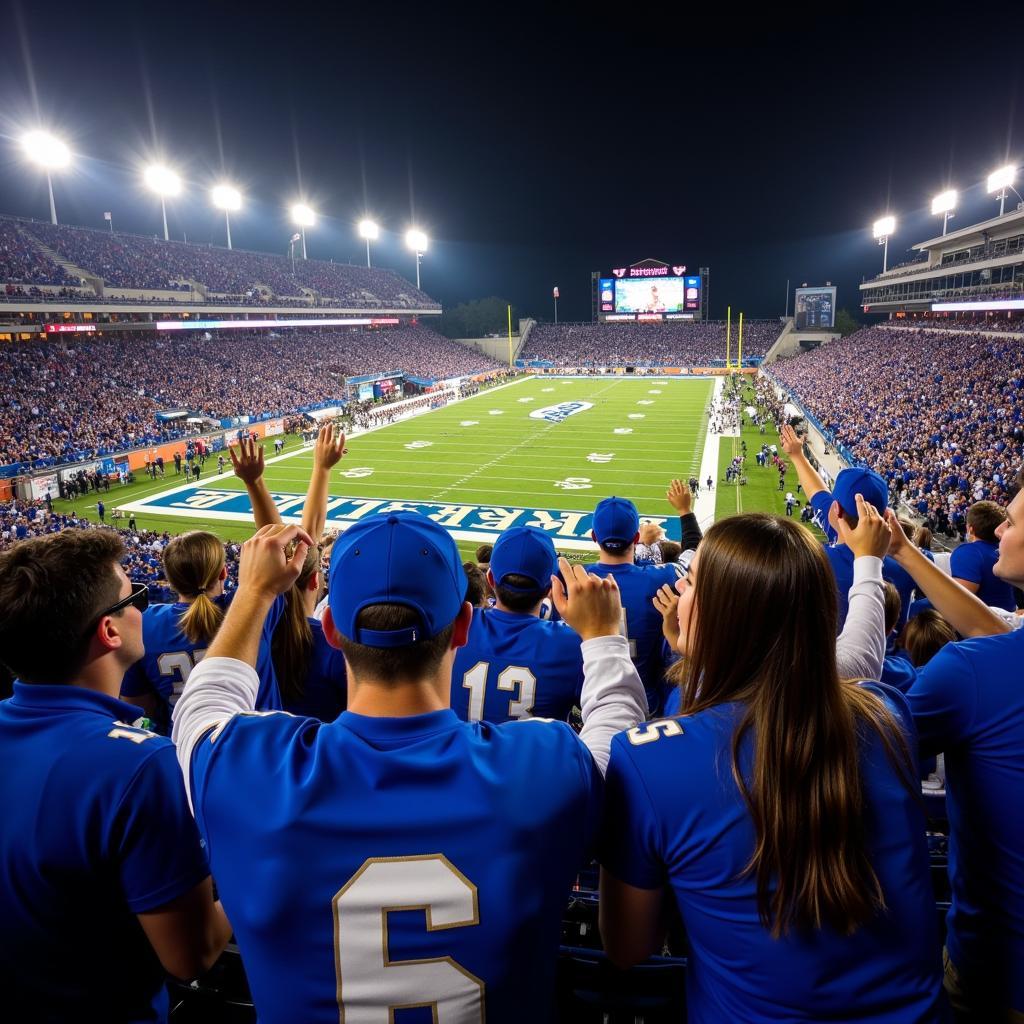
(532, 144)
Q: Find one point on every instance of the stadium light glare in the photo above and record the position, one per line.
(226, 198)
(999, 181)
(164, 182)
(945, 203)
(370, 231)
(303, 217)
(417, 241)
(51, 154)
(883, 228)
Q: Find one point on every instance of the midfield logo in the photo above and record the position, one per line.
(560, 412)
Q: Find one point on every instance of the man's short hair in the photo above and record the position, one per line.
(670, 551)
(52, 591)
(483, 553)
(403, 664)
(524, 598)
(477, 589)
(984, 518)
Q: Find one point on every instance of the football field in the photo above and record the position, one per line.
(541, 451)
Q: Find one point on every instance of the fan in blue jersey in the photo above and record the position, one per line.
(968, 702)
(780, 808)
(616, 528)
(971, 564)
(397, 857)
(514, 664)
(105, 883)
(177, 635)
(840, 503)
(310, 673)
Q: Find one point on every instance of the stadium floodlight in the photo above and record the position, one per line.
(51, 154)
(999, 181)
(226, 198)
(417, 241)
(303, 217)
(945, 203)
(164, 182)
(370, 230)
(883, 228)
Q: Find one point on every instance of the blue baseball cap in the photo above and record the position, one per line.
(527, 551)
(396, 558)
(862, 481)
(616, 521)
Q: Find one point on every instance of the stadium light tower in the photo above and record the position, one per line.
(227, 198)
(369, 230)
(164, 182)
(944, 203)
(51, 154)
(303, 217)
(883, 228)
(417, 241)
(999, 181)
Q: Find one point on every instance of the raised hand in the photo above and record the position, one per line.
(248, 461)
(265, 567)
(898, 543)
(792, 443)
(872, 535)
(679, 497)
(329, 447)
(589, 604)
(666, 600)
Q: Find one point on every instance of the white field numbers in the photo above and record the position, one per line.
(177, 666)
(371, 986)
(514, 679)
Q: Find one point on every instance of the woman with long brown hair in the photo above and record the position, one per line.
(176, 635)
(780, 806)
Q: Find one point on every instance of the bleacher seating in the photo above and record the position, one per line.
(138, 263)
(675, 343)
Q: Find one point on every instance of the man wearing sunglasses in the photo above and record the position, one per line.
(105, 881)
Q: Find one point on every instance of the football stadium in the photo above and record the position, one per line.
(389, 633)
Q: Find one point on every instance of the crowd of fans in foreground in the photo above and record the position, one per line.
(940, 417)
(135, 262)
(771, 783)
(676, 343)
(79, 399)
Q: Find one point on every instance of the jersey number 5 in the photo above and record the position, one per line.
(371, 986)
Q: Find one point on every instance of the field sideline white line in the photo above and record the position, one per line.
(705, 503)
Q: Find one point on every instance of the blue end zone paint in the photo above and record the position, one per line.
(568, 528)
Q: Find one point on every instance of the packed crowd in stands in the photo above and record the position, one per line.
(21, 262)
(942, 419)
(97, 396)
(937, 321)
(677, 343)
(135, 262)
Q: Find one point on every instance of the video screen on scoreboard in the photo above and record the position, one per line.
(649, 295)
(815, 308)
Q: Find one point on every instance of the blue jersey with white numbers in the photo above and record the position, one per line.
(325, 693)
(95, 829)
(516, 666)
(377, 863)
(170, 657)
(642, 621)
(674, 817)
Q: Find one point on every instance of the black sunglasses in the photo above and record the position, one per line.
(138, 598)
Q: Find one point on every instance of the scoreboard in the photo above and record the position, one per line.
(649, 291)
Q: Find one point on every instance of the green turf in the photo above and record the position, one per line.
(488, 449)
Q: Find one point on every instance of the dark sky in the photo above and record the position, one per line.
(533, 144)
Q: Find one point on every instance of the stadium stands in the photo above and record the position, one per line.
(119, 384)
(141, 264)
(646, 344)
(941, 417)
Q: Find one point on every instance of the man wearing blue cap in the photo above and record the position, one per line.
(398, 857)
(616, 528)
(841, 503)
(516, 665)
